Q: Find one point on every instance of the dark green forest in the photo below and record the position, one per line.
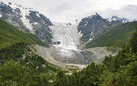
(20, 66)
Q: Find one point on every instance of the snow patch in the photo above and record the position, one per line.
(35, 23)
(37, 14)
(51, 27)
(86, 23)
(80, 34)
(0, 15)
(24, 12)
(90, 39)
(27, 23)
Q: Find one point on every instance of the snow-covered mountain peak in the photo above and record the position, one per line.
(26, 19)
(115, 18)
(132, 19)
(15, 6)
(96, 15)
(22, 12)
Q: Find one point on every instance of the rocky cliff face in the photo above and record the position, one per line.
(94, 26)
(26, 19)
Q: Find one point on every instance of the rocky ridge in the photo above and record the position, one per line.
(94, 26)
(26, 19)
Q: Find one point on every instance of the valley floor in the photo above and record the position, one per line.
(50, 54)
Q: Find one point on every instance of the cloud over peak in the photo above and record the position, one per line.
(69, 10)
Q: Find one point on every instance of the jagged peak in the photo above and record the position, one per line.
(96, 15)
(15, 6)
(121, 19)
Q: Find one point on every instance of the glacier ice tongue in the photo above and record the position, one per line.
(67, 35)
(65, 38)
(66, 41)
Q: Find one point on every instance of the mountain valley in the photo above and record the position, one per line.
(52, 53)
(66, 42)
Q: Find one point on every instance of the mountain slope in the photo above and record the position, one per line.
(94, 26)
(116, 37)
(10, 35)
(26, 19)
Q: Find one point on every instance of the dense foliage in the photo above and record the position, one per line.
(119, 70)
(20, 66)
(90, 76)
(13, 74)
(116, 37)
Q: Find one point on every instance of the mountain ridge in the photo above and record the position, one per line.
(26, 19)
(123, 20)
(94, 26)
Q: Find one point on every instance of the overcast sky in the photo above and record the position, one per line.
(69, 10)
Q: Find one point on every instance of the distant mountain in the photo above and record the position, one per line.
(123, 20)
(26, 19)
(94, 26)
(115, 37)
(10, 35)
(115, 18)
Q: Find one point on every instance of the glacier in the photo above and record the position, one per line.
(67, 37)
(65, 45)
(66, 34)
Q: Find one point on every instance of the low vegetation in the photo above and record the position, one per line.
(117, 37)
(9, 35)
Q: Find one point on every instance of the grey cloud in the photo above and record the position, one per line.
(128, 11)
(69, 10)
(60, 8)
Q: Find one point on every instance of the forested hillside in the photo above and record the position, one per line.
(119, 70)
(20, 66)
